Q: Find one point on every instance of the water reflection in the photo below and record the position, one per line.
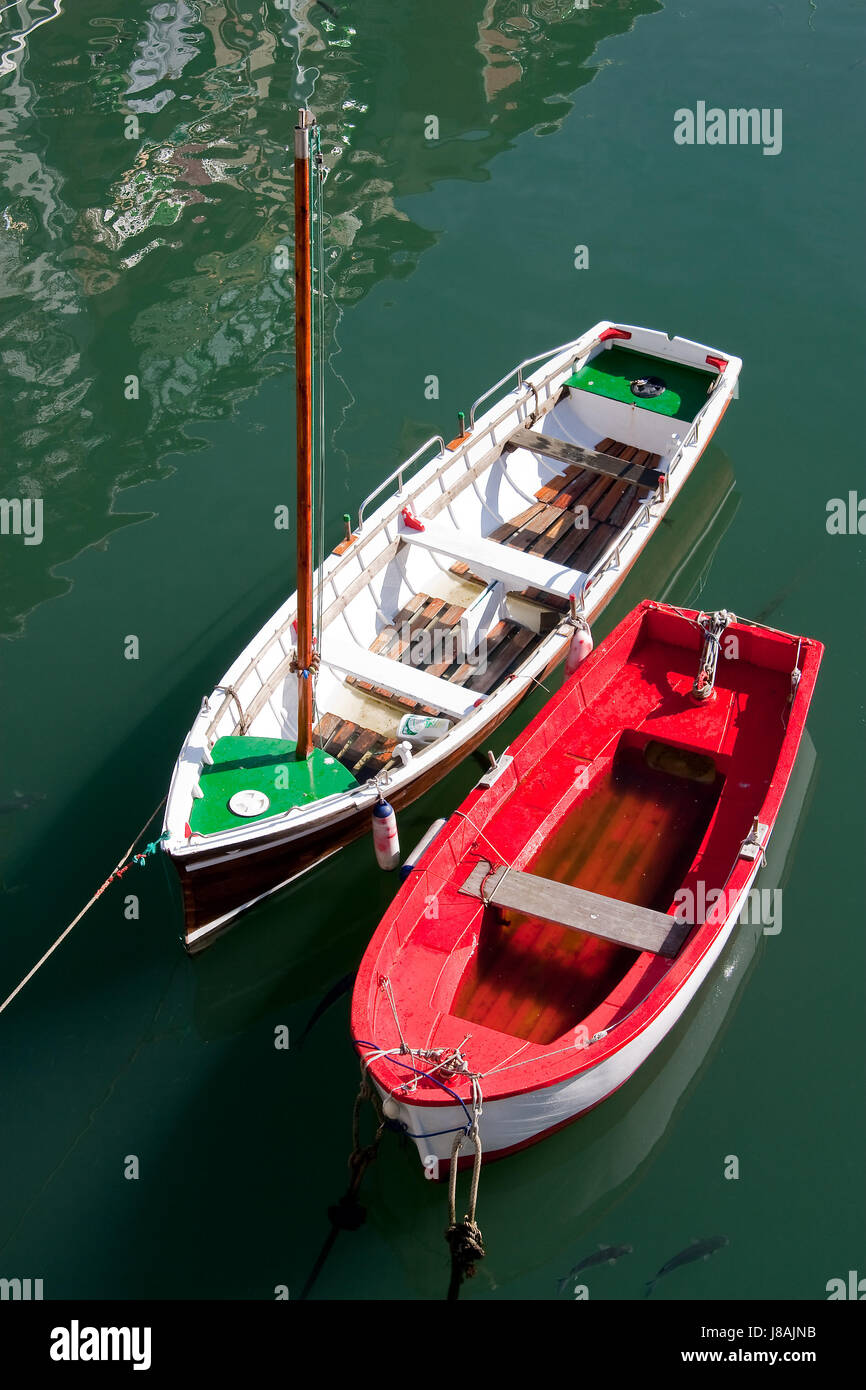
(146, 186)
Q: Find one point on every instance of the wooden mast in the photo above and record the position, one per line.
(304, 399)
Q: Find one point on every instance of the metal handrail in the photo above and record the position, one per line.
(527, 362)
(398, 474)
(610, 558)
(692, 434)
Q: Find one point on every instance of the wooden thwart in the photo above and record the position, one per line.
(624, 923)
(605, 464)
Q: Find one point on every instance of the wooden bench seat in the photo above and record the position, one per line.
(625, 923)
(397, 676)
(594, 461)
(495, 560)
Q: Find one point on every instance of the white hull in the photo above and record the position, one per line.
(463, 495)
(518, 1120)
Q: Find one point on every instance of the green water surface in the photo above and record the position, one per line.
(146, 373)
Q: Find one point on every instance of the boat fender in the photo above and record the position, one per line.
(420, 849)
(579, 647)
(386, 841)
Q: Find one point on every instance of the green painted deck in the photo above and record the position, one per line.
(611, 373)
(267, 765)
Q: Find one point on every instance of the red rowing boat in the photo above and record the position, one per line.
(559, 924)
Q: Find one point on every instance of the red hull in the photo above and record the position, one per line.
(623, 786)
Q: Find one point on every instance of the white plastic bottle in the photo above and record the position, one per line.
(421, 729)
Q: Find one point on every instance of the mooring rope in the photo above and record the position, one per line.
(117, 872)
(464, 1237)
(348, 1214)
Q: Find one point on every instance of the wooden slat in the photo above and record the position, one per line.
(446, 638)
(625, 507)
(362, 744)
(577, 543)
(325, 728)
(463, 673)
(507, 655)
(420, 611)
(549, 491)
(561, 526)
(524, 537)
(574, 488)
(507, 529)
(639, 928)
(555, 449)
(602, 510)
(594, 542)
(343, 735)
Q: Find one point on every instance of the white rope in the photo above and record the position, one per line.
(385, 984)
(480, 833)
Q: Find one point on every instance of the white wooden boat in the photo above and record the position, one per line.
(452, 597)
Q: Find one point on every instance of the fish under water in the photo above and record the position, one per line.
(698, 1250)
(19, 801)
(328, 8)
(605, 1254)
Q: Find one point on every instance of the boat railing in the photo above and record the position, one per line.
(518, 371)
(398, 474)
(610, 559)
(691, 438)
(230, 693)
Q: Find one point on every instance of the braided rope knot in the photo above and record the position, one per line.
(466, 1245)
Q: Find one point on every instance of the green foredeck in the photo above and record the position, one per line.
(612, 372)
(267, 765)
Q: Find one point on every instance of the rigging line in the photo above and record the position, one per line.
(320, 175)
(481, 834)
(51, 949)
(318, 412)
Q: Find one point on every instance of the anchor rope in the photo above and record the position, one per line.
(348, 1214)
(464, 1237)
(117, 872)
